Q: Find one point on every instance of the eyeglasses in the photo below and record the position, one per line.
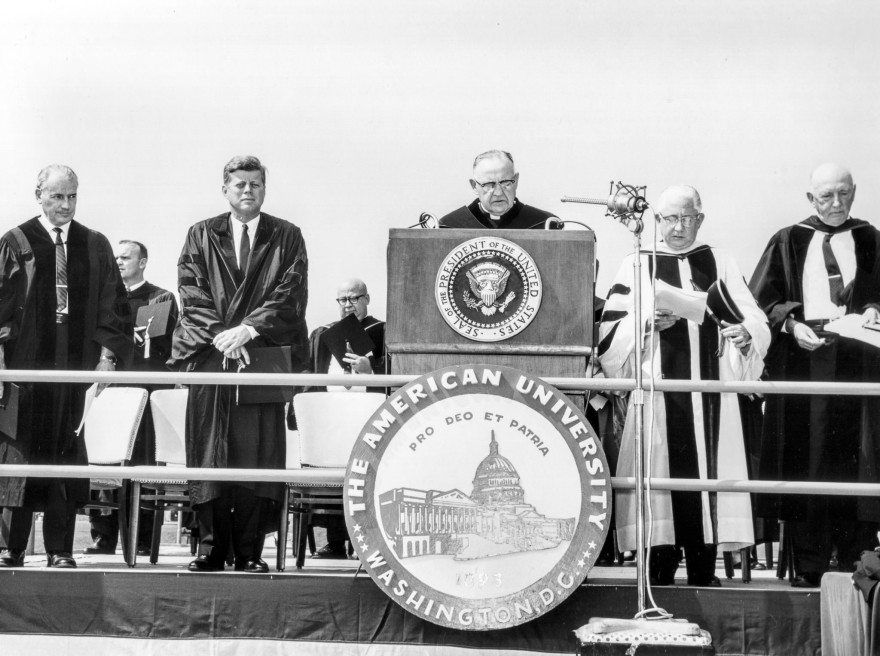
(686, 220)
(507, 185)
(345, 300)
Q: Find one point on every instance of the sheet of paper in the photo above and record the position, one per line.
(682, 302)
(851, 326)
(90, 397)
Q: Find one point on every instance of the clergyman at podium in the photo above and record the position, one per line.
(495, 181)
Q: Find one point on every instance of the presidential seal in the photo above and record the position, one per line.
(488, 289)
(477, 497)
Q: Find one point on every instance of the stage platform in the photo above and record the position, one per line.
(329, 608)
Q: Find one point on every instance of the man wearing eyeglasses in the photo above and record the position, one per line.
(352, 297)
(494, 182)
(698, 436)
(243, 282)
(822, 269)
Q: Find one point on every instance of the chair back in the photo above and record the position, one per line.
(169, 422)
(292, 452)
(111, 424)
(329, 424)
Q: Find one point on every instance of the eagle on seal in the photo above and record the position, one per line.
(488, 281)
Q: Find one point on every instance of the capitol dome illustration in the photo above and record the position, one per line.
(496, 480)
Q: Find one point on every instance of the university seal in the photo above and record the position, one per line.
(477, 497)
(488, 289)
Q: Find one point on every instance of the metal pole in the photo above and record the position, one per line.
(638, 409)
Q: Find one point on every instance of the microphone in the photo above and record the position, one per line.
(426, 220)
(624, 203)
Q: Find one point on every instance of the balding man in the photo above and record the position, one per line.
(494, 182)
(352, 297)
(62, 306)
(813, 272)
(694, 435)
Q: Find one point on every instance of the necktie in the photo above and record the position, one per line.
(60, 273)
(244, 250)
(835, 280)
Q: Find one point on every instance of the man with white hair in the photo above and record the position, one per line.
(819, 270)
(62, 306)
(688, 435)
(494, 182)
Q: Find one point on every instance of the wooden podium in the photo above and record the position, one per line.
(558, 340)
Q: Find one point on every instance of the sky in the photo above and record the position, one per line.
(368, 113)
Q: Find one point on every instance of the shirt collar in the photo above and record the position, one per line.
(252, 225)
(137, 285)
(50, 228)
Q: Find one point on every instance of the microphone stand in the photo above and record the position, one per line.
(626, 204)
(617, 209)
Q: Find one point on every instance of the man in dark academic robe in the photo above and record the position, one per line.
(494, 182)
(822, 269)
(62, 306)
(132, 258)
(353, 298)
(243, 284)
(691, 435)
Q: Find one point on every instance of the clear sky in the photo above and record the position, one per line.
(369, 113)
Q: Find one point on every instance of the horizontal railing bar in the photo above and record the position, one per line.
(320, 475)
(396, 380)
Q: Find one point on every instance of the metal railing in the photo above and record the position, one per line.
(375, 380)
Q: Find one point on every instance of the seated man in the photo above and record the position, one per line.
(694, 435)
(353, 298)
(494, 182)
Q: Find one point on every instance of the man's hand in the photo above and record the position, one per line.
(239, 353)
(229, 341)
(871, 315)
(738, 335)
(360, 364)
(805, 336)
(106, 363)
(664, 319)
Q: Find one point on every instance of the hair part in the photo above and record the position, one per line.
(243, 163)
(494, 154)
(60, 169)
(141, 248)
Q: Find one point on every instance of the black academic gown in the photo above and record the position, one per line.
(818, 438)
(320, 355)
(98, 315)
(520, 216)
(214, 296)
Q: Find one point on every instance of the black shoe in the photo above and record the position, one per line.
(257, 566)
(331, 550)
(204, 564)
(143, 551)
(99, 551)
(12, 558)
(61, 560)
(806, 580)
(713, 582)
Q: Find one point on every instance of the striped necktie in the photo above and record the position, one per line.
(835, 280)
(60, 273)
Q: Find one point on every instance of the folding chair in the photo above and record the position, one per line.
(169, 421)
(110, 429)
(329, 423)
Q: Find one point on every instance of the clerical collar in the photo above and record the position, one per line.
(496, 219)
(50, 227)
(135, 286)
(816, 224)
